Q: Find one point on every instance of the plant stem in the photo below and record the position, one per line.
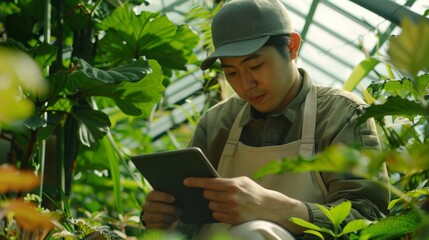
(42, 147)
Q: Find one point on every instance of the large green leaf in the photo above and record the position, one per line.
(393, 106)
(93, 125)
(180, 46)
(136, 98)
(131, 72)
(134, 87)
(90, 81)
(359, 72)
(410, 50)
(148, 34)
(130, 34)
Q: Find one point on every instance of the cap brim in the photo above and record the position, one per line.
(234, 49)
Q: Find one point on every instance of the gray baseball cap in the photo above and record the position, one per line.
(241, 27)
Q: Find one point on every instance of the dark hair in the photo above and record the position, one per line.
(279, 42)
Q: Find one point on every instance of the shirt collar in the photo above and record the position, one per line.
(291, 109)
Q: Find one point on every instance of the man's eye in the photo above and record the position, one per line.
(257, 66)
(231, 73)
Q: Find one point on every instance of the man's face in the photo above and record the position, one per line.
(264, 78)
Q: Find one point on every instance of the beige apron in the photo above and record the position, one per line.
(241, 160)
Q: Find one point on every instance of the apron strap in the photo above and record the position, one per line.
(309, 124)
(234, 135)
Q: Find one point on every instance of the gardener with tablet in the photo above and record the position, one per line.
(277, 112)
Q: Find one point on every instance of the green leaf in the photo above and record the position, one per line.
(402, 88)
(318, 234)
(93, 125)
(274, 167)
(57, 82)
(304, 223)
(8, 8)
(326, 212)
(44, 54)
(114, 164)
(132, 72)
(393, 106)
(181, 45)
(134, 96)
(127, 106)
(359, 72)
(414, 194)
(61, 104)
(393, 226)
(130, 36)
(142, 94)
(355, 226)
(335, 158)
(340, 212)
(410, 50)
(415, 160)
(45, 132)
(35, 122)
(422, 84)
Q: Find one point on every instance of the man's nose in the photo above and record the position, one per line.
(248, 81)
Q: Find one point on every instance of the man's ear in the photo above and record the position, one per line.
(294, 44)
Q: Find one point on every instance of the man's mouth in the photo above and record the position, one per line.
(256, 98)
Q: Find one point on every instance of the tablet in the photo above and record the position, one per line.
(165, 171)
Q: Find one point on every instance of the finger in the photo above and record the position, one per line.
(154, 218)
(208, 183)
(161, 226)
(159, 221)
(221, 207)
(161, 208)
(156, 196)
(226, 218)
(220, 196)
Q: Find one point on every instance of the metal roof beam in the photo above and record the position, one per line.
(309, 18)
(390, 10)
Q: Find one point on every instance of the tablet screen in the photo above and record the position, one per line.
(165, 171)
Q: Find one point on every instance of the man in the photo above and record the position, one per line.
(278, 112)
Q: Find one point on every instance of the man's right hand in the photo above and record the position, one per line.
(159, 211)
